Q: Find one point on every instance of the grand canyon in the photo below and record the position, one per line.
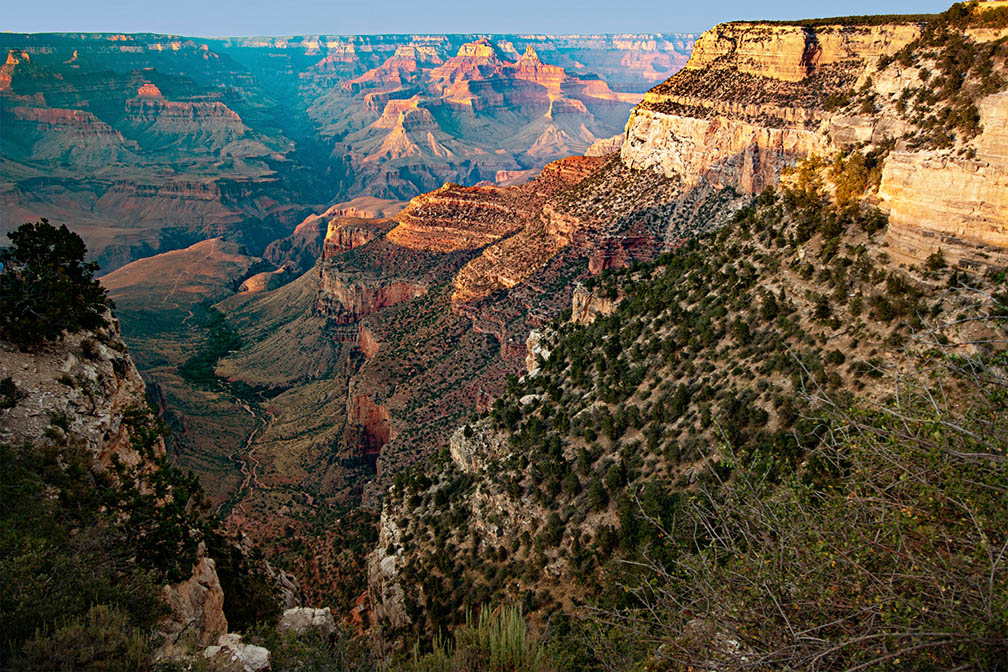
(522, 352)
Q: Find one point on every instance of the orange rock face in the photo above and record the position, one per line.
(369, 423)
(950, 204)
(346, 233)
(753, 99)
(457, 218)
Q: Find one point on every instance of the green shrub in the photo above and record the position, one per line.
(497, 641)
(103, 640)
(9, 394)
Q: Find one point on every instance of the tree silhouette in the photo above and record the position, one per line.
(46, 287)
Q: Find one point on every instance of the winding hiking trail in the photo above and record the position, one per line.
(246, 455)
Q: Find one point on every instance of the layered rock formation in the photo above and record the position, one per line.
(959, 207)
(754, 98)
(346, 299)
(102, 131)
(136, 160)
(751, 101)
(346, 222)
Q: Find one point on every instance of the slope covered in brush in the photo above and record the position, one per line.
(719, 360)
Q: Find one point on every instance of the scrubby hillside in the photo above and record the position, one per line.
(727, 364)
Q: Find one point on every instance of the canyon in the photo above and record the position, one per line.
(342, 262)
(405, 321)
(149, 143)
(754, 101)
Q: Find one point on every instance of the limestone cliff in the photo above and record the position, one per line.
(756, 97)
(955, 205)
(751, 100)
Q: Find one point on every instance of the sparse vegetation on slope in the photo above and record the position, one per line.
(955, 69)
(715, 369)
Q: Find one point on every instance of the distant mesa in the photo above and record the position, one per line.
(148, 90)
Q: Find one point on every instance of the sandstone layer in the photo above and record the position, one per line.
(755, 98)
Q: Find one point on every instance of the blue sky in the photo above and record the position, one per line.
(293, 17)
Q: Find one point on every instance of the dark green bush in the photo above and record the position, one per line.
(46, 288)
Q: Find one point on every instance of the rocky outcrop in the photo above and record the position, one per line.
(755, 98)
(196, 611)
(346, 298)
(605, 146)
(536, 348)
(366, 342)
(471, 447)
(456, 218)
(346, 233)
(303, 619)
(750, 101)
(89, 382)
(587, 306)
(388, 604)
(231, 654)
(518, 228)
(81, 391)
(949, 204)
(793, 53)
(722, 152)
(339, 229)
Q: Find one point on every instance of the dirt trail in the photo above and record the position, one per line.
(246, 455)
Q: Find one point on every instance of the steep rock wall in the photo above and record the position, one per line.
(722, 151)
(346, 298)
(793, 52)
(749, 102)
(951, 204)
(756, 98)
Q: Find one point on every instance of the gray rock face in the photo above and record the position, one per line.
(471, 445)
(88, 381)
(300, 619)
(387, 594)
